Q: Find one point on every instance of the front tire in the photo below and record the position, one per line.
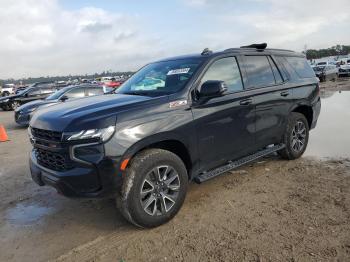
(296, 137)
(154, 188)
(6, 107)
(14, 105)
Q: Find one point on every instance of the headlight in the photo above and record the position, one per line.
(103, 134)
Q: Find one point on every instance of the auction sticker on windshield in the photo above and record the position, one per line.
(178, 71)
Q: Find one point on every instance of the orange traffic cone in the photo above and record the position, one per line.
(3, 135)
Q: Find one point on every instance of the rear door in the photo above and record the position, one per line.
(273, 98)
(225, 124)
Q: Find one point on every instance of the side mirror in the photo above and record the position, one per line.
(63, 98)
(212, 88)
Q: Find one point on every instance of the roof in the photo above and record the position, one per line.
(207, 53)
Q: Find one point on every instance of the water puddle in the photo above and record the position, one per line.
(27, 214)
(331, 137)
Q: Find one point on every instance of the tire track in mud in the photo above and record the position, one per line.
(96, 248)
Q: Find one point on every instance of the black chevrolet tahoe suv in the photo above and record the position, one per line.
(188, 118)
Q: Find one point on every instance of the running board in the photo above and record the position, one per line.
(237, 163)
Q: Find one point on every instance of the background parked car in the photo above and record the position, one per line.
(7, 89)
(344, 69)
(24, 112)
(324, 73)
(38, 84)
(28, 95)
(111, 82)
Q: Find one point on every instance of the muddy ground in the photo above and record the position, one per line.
(271, 210)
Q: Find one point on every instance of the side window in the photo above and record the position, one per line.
(75, 93)
(225, 69)
(95, 91)
(300, 66)
(282, 66)
(259, 71)
(34, 92)
(276, 72)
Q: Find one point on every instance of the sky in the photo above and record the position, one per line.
(62, 37)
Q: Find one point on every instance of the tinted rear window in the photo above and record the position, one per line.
(301, 67)
(259, 71)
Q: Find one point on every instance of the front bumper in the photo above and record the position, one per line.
(103, 179)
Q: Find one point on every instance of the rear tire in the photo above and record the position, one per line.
(296, 137)
(154, 188)
(5, 93)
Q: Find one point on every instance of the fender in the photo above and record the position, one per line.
(189, 144)
(299, 104)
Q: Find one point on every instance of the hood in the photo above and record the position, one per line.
(34, 104)
(3, 98)
(88, 113)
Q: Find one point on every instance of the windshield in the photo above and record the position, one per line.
(160, 78)
(22, 92)
(58, 94)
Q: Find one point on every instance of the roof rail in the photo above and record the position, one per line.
(261, 46)
(206, 51)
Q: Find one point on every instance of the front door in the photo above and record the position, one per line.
(225, 125)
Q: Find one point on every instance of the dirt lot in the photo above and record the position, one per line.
(272, 210)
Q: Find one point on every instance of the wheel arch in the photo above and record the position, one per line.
(307, 111)
(167, 142)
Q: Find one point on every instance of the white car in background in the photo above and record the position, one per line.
(325, 63)
(7, 89)
(344, 70)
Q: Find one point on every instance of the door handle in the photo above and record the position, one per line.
(285, 93)
(245, 102)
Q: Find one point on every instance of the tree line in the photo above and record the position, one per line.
(31, 80)
(332, 51)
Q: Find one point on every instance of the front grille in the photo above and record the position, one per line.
(46, 134)
(51, 160)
